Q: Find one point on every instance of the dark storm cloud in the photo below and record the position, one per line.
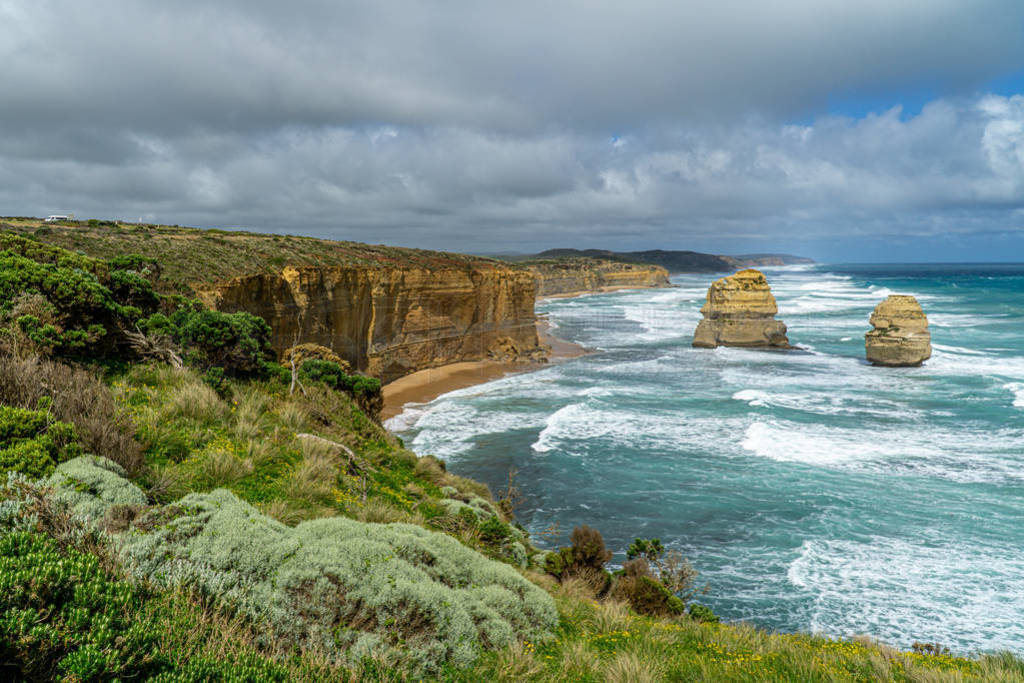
(504, 125)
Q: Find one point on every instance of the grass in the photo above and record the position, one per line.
(249, 444)
(296, 457)
(191, 257)
(193, 440)
(602, 641)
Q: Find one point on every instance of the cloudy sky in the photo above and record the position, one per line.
(841, 129)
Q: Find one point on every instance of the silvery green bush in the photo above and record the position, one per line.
(335, 585)
(90, 485)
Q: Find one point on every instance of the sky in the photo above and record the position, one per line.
(845, 130)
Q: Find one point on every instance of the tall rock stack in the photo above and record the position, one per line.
(900, 336)
(740, 311)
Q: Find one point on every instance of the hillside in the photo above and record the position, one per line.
(180, 503)
(681, 261)
(195, 258)
(387, 311)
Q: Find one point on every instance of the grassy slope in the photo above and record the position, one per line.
(205, 256)
(197, 441)
(194, 440)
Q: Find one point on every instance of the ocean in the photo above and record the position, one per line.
(812, 491)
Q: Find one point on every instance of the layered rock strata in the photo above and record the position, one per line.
(740, 311)
(390, 321)
(561, 277)
(900, 336)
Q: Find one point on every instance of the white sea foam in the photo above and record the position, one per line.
(1018, 393)
(962, 455)
(660, 323)
(833, 403)
(556, 424)
(573, 428)
(407, 419)
(447, 428)
(901, 590)
(968, 363)
(959, 320)
(957, 349)
(786, 442)
(752, 396)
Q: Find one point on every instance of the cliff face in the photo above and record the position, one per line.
(900, 336)
(740, 311)
(580, 275)
(388, 322)
(681, 261)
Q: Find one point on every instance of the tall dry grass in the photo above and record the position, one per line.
(194, 400)
(79, 397)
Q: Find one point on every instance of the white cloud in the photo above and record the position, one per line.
(515, 125)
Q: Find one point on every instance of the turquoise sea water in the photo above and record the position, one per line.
(813, 491)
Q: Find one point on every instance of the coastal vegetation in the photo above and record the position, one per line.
(189, 256)
(177, 504)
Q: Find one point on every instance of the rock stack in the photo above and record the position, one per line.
(900, 336)
(740, 311)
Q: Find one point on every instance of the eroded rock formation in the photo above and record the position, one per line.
(390, 321)
(740, 311)
(900, 336)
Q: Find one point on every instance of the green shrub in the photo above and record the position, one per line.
(33, 443)
(88, 304)
(349, 588)
(62, 617)
(325, 371)
(670, 567)
(84, 310)
(493, 531)
(238, 342)
(644, 592)
(66, 615)
(48, 254)
(216, 380)
(365, 390)
(276, 371)
(702, 613)
(584, 559)
(132, 289)
(649, 549)
(145, 266)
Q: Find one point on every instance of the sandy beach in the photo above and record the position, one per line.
(426, 385)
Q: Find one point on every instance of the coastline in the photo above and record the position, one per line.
(601, 290)
(424, 386)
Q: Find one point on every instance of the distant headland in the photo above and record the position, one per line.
(675, 261)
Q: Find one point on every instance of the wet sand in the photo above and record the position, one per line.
(426, 385)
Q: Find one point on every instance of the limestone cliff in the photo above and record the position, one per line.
(560, 277)
(740, 311)
(389, 321)
(386, 310)
(675, 261)
(900, 336)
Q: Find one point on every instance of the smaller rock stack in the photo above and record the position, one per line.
(740, 311)
(900, 336)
